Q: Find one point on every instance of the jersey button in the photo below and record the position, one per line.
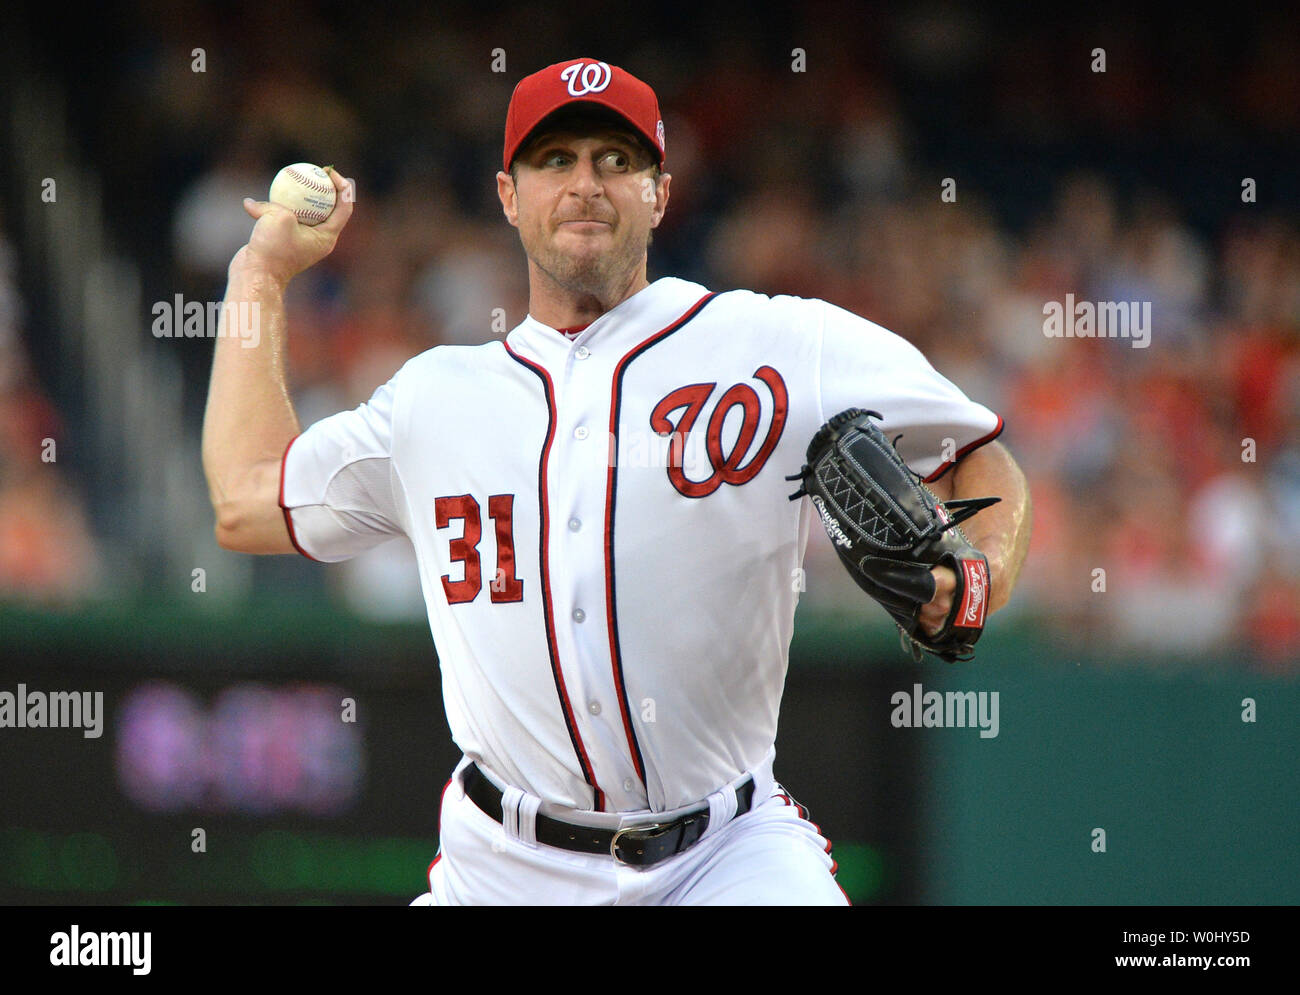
(594, 708)
(579, 615)
(574, 525)
(580, 432)
(582, 352)
(627, 784)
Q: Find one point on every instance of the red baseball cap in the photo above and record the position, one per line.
(582, 81)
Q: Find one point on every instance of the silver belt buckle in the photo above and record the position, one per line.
(613, 843)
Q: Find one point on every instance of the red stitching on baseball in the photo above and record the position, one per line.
(311, 181)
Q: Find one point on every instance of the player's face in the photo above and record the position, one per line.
(584, 204)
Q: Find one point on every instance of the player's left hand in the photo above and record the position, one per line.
(933, 614)
(890, 530)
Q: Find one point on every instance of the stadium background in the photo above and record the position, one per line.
(1120, 709)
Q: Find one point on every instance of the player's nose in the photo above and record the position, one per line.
(584, 179)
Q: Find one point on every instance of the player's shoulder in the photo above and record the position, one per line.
(790, 313)
(806, 319)
(442, 372)
(777, 308)
(442, 361)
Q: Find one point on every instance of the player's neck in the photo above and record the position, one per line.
(562, 307)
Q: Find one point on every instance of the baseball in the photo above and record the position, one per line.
(306, 190)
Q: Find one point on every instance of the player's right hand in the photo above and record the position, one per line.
(283, 248)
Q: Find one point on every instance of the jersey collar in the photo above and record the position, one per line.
(622, 328)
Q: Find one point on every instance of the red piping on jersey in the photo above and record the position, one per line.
(615, 655)
(804, 814)
(438, 856)
(945, 467)
(834, 864)
(548, 610)
(288, 518)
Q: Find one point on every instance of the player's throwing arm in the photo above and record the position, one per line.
(249, 420)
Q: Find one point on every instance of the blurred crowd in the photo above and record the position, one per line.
(47, 552)
(1165, 480)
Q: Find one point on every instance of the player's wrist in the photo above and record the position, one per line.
(257, 272)
(999, 588)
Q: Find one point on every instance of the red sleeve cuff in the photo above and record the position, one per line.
(945, 467)
(288, 518)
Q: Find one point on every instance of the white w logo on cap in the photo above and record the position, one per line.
(586, 77)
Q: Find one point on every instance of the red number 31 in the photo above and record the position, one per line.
(505, 587)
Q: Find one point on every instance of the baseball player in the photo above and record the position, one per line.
(601, 517)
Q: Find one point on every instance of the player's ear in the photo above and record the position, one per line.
(661, 199)
(509, 198)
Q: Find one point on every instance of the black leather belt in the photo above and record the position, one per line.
(639, 846)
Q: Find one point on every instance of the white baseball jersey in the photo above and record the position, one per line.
(602, 524)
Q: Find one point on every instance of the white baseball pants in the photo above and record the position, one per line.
(772, 855)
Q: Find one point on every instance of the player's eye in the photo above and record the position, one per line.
(617, 159)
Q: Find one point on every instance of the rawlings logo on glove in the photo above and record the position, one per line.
(972, 606)
(831, 526)
(889, 530)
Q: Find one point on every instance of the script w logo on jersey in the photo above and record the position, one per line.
(728, 464)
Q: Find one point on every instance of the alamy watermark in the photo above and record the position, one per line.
(921, 709)
(53, 710)
(1100, 320)
(642, 448)
(182, 319)
(100, 949)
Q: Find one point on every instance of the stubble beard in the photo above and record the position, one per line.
(601, 275)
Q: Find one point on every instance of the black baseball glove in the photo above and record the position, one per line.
(889, 530)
